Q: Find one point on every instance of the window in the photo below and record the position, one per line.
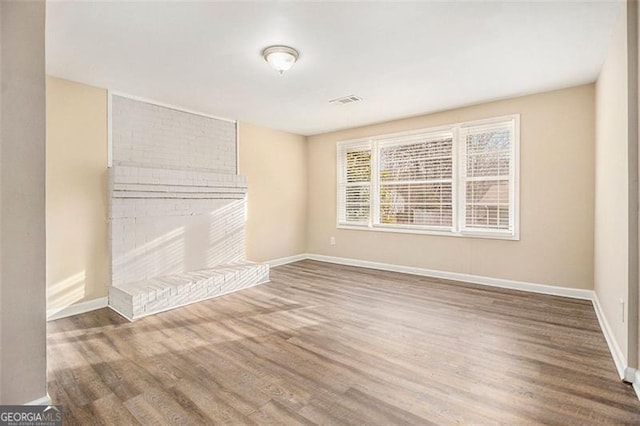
(355, 186)
(415, 180)
(456, 180)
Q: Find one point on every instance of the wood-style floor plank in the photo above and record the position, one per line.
(330, 344)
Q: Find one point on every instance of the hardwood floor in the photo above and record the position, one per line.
(329, 344)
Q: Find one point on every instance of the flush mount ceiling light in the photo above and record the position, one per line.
(281, 58)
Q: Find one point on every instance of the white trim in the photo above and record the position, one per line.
(166, 105)
(455, 276)
(487, 121)
(110, 306)
(374, 185)
(45, 400)
(411, 137)
(617, 354)
(515, 188)
(286, 260)
(457, 186)
(423, 231)
(409, 133)
(636, 383)
(77, 308)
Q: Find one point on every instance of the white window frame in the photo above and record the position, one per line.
(458, 184)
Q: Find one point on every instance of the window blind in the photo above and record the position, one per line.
(355, 184)
(415, 181)
(487, 176)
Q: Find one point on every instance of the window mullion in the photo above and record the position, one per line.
(455, 187)
(375, 185)
(461, 161)
(514, 172)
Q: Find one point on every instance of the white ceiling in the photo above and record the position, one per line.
(403, 59)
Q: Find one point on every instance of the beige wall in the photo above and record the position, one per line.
(611, 185)
(77, 243)
(275, 165)
(77, 238)
(556, 210)
(22, 203)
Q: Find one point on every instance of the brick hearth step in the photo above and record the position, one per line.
(138, 299)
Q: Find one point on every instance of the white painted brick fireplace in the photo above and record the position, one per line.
(177, 209)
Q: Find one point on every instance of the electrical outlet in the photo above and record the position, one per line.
(332, 241)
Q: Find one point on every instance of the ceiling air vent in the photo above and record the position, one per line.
(345, 100)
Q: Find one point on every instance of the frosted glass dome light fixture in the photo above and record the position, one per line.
(281, 58)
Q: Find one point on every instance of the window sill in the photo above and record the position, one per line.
(460, 234)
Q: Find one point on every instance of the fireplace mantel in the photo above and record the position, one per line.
(151, 182)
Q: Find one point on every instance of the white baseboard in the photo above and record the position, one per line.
(455, 276)
(45, 400)
(616, 352)
(77, 308)
(636, 383)
(285, 260)
(110, 306)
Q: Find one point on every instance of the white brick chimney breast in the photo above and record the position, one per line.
(177, 209)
